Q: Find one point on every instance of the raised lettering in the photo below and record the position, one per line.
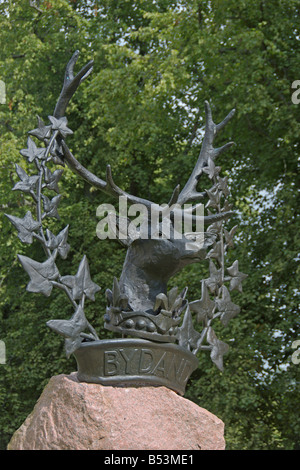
(111, 363)
(175, 368)
(160, 366)
(127, 356)
(187, 370)
(145, 364)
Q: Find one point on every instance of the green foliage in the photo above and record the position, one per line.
(142, 111)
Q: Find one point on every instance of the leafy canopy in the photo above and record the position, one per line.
(142, 111)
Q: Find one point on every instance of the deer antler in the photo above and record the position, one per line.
(71, 84)
(189, 192)
(108, 186)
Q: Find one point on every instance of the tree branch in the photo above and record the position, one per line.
(36, 7)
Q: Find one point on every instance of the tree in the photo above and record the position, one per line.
(155, 64)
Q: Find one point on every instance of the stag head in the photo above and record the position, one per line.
(135, 305)
(167, 238)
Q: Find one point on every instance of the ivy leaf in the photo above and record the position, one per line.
(216, 252)
(50, 206)
(52, 179)
(42, 132)
(215, 227)
(59, 242)
(227, 207)
(227, 307)
(71, 344)
(60, 125)
(25, 226)
(219, 348)
(81, 283)
(214, 282)
(229, 236)
(203, 307)
(40, 274)
(211, 169)
(187, 336)
(223, 185)
(32, 151)
(214, 198)
(57, 154)
(70, 329)
(237, 277)
(27, 183)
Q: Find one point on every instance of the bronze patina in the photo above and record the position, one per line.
(159, 340)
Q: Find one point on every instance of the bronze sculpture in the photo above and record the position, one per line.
(139, 305)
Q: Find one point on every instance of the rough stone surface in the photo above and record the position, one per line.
(70, 415)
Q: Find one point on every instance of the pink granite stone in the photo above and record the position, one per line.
(72, 415)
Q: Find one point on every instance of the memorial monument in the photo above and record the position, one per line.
(159, 341)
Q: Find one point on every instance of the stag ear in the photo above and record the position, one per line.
(123, 229)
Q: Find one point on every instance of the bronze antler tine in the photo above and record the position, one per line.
(71, 84)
